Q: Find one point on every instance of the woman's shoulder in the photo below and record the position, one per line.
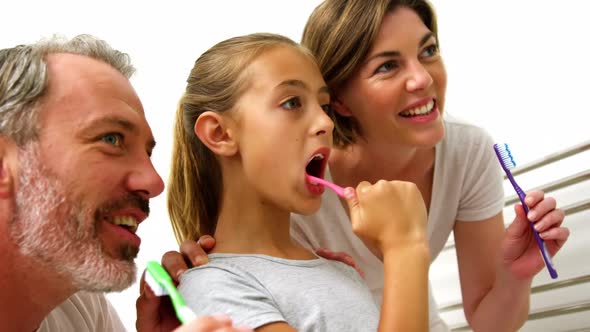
(464, 139)
(459, 130)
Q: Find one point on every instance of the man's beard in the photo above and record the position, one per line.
(58, 231)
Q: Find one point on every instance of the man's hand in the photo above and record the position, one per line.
(191, 254)
(156, 314)
(212, 324)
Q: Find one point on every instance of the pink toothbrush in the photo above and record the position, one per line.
(337, 189)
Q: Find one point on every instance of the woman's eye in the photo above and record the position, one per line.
(327, 108)
(387, 67)
(113, 139)
(430, 51)
(291, 104)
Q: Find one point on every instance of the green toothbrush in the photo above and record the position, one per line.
(161, 284)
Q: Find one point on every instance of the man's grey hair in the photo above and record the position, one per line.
(23, 79)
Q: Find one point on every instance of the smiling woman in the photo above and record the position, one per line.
(382, 62)
(508, 69)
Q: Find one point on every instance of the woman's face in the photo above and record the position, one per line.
(397, 93)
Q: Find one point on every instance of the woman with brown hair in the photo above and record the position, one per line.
(382, 62)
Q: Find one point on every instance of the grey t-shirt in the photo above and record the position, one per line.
(255, 290)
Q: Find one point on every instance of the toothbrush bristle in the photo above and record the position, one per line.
(505, 155)
(158, 289)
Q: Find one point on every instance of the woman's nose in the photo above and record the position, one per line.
(419, 78)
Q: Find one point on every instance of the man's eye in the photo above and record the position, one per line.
(112, 139)
(292, 103)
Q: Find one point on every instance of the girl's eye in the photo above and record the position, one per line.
(291, 104)
(327, 108)
(387, 67)
(113, 139)
(430, 51)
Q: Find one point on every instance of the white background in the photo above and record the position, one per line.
(520, 69)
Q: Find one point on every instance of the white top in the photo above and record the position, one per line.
(83, 312)
(467, 186)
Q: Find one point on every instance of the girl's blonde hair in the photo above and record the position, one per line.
(340, 33)
(216, 82)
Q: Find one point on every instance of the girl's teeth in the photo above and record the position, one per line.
(318, 156)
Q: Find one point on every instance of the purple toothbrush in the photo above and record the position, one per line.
(507, 162)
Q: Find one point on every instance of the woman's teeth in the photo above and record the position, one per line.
(422, 110)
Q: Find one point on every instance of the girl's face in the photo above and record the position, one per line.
(281, 126)
(397, 94)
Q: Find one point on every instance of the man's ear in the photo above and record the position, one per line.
(8, 161)
(215, 132)
(340, 108)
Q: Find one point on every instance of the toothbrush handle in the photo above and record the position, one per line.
(337, 189)
(540, 241)
(185, 314)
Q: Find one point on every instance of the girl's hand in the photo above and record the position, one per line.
(388, 215)
(520, 253)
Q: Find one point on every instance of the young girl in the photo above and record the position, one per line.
(249, 129)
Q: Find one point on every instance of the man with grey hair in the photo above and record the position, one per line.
(75, 183)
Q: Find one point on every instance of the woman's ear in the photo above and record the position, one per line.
(340, 108)
(7, 167)
(213, 130)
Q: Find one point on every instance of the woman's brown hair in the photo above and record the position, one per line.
(340, 34)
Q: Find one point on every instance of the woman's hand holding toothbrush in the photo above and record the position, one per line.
(520, 253)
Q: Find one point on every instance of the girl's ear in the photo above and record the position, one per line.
(7, 167)
(211, 128)
(340, 108)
